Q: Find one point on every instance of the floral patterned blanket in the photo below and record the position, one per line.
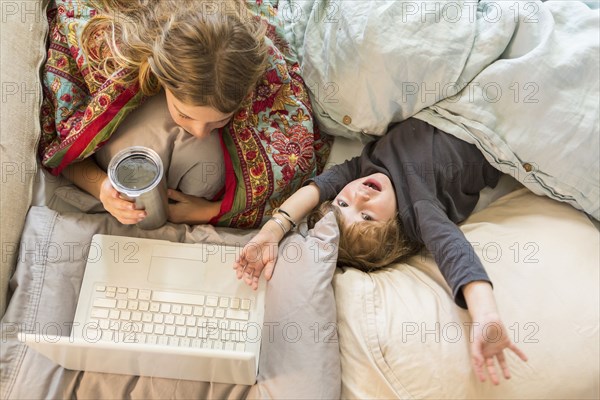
(271, 146)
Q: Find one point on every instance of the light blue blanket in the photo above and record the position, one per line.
(520, 79)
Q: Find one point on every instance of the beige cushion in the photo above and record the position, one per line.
(198, 169)
(401, 335)
(22, 51)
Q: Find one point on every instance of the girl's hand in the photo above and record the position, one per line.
(489, 339)
(123, 210)
(191, 209)
(258, 255)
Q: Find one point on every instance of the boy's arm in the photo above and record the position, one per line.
(471, 289)
(451, 250)
(488, 337)
(261, 252)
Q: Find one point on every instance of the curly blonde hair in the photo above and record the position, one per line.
(205, 57)
(368, 245)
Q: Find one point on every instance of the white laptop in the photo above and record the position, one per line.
(162, 309)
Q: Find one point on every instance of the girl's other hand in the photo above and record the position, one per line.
(191, 210)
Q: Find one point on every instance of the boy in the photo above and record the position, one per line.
(423, 181)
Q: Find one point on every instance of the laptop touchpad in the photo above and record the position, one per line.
(181, 271)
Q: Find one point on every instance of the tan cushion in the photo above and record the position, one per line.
(401, 335)
(22, 51)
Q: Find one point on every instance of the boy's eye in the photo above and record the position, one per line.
(183, 116)
(342, 203)
(367, 217)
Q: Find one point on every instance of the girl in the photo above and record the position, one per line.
(409, 188)
(219, 71)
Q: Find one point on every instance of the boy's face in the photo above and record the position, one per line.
(371, 198)
(198, 121)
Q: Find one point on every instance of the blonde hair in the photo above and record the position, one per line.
(368, 245)
(205, 57)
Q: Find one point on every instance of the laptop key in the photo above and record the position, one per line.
(147, 317)
(235, 303)
(163, 340)
(183, 298)
(238, 314)
(245, 304)
(212, 301)
(105, 303)
(99, 313)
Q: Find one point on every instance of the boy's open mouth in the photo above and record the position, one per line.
(373, 184)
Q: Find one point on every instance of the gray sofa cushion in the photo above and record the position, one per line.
(22, 51)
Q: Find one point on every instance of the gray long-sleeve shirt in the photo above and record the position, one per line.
(437, 179)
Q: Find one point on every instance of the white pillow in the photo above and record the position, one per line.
(401, 335)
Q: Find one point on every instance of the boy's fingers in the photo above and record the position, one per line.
(269, 270)
(517, 351)
(491, 367)
(503, 365)
(478, 365)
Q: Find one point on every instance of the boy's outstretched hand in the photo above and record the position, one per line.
(489, 340)
(257, 255)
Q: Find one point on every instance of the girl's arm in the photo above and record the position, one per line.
(88, 176)
(261, 252)
(489, 337)
(191, 210)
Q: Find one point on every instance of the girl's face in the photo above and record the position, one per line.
(371, 198)
(198, 121)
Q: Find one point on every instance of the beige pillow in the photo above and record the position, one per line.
(194, 166)
(401, 335)
(23, 29)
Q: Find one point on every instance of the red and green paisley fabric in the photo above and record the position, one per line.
(271, 146)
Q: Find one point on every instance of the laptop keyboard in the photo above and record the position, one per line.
(134, 315)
